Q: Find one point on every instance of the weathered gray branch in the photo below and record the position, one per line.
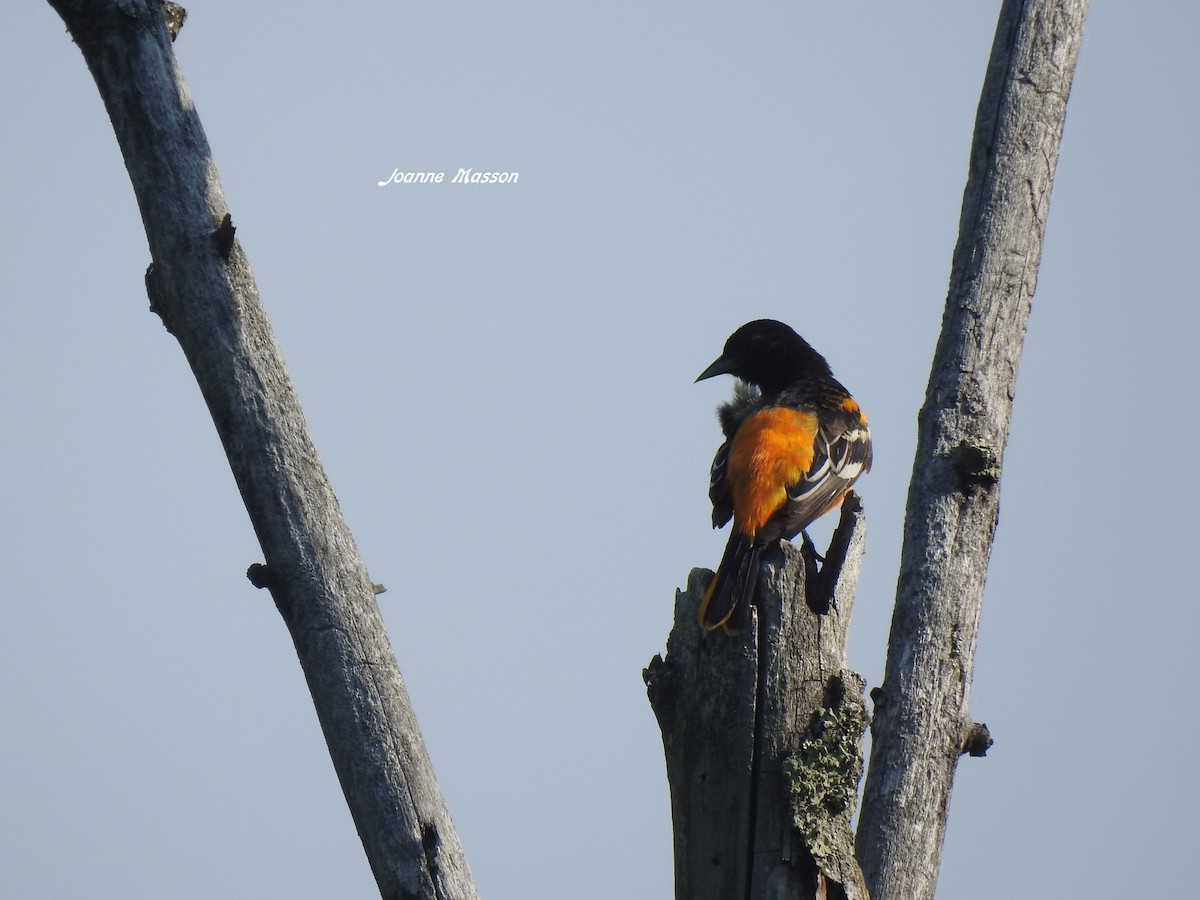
(201, 285)
(763, 738)
(921, 724)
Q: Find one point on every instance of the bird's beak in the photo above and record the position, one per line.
(723, 365)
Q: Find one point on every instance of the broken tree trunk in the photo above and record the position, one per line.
(921, 724)
(762, 734)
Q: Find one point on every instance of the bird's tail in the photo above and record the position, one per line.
(726, 603)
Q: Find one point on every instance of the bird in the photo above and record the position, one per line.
(795, 441)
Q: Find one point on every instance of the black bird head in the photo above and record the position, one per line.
(768, 354)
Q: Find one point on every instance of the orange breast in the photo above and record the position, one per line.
(772, 449)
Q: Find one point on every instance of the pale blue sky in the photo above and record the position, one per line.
(499, 380)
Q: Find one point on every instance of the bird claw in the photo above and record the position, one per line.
(809, 549)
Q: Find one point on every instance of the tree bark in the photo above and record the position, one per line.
(201, 285)
(763, 735)
(921, 724)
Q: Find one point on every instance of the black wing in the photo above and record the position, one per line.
(841, 453)
(746, 400)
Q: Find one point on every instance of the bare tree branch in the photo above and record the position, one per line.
(201, 285)
(921, 724)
